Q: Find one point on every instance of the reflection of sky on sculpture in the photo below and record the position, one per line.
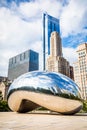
(53, 82)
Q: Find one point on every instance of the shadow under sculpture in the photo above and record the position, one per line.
(50, 90)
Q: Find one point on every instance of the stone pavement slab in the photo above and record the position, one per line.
(42, 121)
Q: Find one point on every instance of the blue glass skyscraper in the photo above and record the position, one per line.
(50, 24)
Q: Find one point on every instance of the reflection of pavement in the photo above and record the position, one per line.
(42, 121)
(54, 103)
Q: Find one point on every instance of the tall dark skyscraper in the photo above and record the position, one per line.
(50, 24)
(23, 63)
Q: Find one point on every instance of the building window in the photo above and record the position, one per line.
(14, 59)
(24, 55)
(20, 57)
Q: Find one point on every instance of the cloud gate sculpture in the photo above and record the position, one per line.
(50, 90)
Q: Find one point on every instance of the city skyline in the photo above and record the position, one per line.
(21, 27)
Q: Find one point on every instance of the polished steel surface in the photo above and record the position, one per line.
(37, 88)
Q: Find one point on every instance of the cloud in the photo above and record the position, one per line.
(16, 30)
(16, 36)
(30, 10)
(74, 18)
(21, 26)
(70, 54)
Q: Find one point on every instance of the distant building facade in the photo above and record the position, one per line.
(50, 24)
(2, 89)
(23, 63)
(4, 85)
(55, 61)
(71, 73)
(80, 69)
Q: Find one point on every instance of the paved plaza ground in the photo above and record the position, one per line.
(42, 121)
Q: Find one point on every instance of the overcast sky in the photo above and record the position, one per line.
(21, 27)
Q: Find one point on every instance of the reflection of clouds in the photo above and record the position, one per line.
(54, 82)
(67, 85)
(45, 79)
(39, 81)
(66, 79)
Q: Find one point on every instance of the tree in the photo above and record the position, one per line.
(85, 106)
(3, 104)
(1, 97)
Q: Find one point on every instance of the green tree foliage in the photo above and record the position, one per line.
(1, 97)
(85, 106)
(3, 104)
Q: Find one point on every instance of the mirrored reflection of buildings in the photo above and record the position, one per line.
(23, 63)
(50, 24)
(80, 69)
(55, 61)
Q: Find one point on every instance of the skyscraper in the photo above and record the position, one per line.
(55, 61)
(80, 69)
(23, 63)
(50, 24)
